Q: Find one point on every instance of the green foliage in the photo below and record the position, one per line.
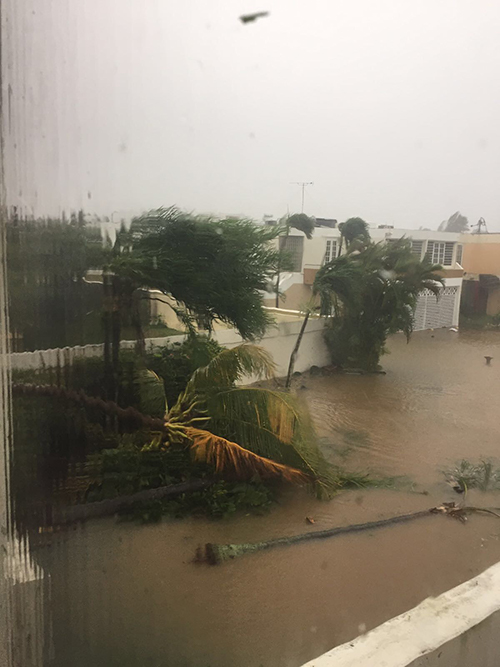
(50, 304)
(371, 294)
(271, 424)
(243, 431)
(230, 365)
(266, 423)
(151, 393)
(216, 269)
(218, 501)
(223, 499)
(302, 222)
(469, 475)
(128, 469)
(354, 229)
(455, 223)
(176, 362)
(479, 322)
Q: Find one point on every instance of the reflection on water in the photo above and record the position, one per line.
(130, 595)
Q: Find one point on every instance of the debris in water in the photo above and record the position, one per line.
(451, 509)
(454, 329)
(488, 360)
(309, 519)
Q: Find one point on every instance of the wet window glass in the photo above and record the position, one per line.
(249, 333)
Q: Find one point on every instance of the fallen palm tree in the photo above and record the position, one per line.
(215, 554)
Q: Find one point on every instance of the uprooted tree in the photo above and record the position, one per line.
(239, 431)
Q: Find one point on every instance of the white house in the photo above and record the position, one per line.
(441, 247)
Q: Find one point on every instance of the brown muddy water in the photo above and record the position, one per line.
(129, 595)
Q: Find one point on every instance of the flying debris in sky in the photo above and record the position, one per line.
(249, 18)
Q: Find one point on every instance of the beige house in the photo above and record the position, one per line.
(481, 262)
(440, 247)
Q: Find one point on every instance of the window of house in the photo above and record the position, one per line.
(448, 254)
(416, 247)
(439, 252)
(331, 250)
(294, 247)
(459, 253)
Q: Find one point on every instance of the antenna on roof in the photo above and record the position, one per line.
(303, 185)
(476, 229)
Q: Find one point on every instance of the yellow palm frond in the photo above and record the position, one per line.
(227, 456)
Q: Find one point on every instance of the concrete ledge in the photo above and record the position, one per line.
(405, 639)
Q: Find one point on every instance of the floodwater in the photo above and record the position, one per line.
(129, 595)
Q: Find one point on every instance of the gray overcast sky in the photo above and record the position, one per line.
(391, 107)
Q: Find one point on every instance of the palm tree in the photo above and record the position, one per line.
(299, 221)
(372, 294)
(303, 223)
(353, 229)
(241, 431)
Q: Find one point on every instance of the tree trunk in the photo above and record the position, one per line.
(136, 320)
(106, 323)
(109, 507)
(116, 331)
(278, 289)
(215, 554)
(295, 350)
(280, 249)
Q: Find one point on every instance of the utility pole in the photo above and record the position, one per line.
(303, 185)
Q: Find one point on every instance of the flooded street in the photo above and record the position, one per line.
(436, 405)
(124, 594)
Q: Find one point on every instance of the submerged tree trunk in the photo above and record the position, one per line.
(295, 350)
(215, 554)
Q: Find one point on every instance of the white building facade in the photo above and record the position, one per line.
(440, 247)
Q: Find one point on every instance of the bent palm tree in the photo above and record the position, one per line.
(303, 223)
(372, 294)
(353, 229)
(241, 431)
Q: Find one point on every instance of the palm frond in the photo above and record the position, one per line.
(271, 424)
(231, 365)
(227, 456)
(151, 393)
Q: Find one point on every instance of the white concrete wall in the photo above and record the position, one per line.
(456, 282)
(456, 629)
(279, 341)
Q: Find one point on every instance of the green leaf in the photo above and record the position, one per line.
(232, 365)
(151, 393)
